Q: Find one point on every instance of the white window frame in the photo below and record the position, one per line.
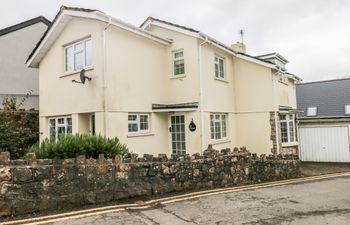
(138, 123)
(220, 121)
(282, 77)
(288, 118)
(311, 111)
(178, 59)
(72, 45)
(65, 125)
(217, 63)
(347, 109)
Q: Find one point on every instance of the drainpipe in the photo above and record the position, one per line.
(276, 111)
(104, 80)
(201, 93)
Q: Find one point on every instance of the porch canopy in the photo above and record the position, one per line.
(182, 107)
(286, 109)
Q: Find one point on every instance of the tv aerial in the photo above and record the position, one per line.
(241, 34)
(83, 78)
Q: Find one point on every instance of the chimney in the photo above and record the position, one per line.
(239, 47)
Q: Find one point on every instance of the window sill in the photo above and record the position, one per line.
(291, 144)
(221, 79)
(76, 72)
(177, 76)
(221, 141)
(139, 135)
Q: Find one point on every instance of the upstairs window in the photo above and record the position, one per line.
(179, 62)
(59, 126)
(311, 111)
(77, 56)
(219, 67)
(138, 123)
(282, 77)
(347, 109)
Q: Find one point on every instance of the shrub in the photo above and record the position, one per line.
(69, 146)
(18, 131)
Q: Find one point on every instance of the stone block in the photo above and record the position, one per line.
(5, 208)
(31, 158)
(80, 159)
(4, 157)
(5, 174)
(42, 172)
(101, 159)
(22, 174)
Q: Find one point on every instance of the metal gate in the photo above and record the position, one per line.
(324, 143)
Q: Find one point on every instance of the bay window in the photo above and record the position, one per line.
(287, 125)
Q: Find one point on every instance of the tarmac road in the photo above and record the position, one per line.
(317, 202)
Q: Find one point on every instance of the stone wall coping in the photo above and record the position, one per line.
(132, 158)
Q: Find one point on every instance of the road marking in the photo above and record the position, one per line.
(166, 200)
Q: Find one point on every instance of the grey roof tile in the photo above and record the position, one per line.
(330, 97)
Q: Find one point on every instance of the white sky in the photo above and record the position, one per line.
(314, 35)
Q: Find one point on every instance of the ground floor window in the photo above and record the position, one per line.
(287, 124)
(218, 127)
(138, 123)
(59, 126)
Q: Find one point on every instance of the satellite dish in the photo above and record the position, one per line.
(83, 78)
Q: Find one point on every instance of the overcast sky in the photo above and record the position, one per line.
(314, 35)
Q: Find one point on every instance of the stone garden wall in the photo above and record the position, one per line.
(32, 185)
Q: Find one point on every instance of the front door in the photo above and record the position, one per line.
(177, 134)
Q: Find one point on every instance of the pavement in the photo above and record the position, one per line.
(317, 202)
(319, 168)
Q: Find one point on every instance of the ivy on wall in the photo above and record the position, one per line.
(19, 130)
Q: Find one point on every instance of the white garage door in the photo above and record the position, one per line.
(324, 144)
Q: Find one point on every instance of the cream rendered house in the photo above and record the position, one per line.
(161, 87)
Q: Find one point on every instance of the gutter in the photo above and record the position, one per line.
(201, 112)
(104, 80)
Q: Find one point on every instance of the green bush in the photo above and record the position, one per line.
(18, 131)
(69, 146)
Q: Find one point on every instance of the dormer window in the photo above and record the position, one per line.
(77, 56)
(282, 76)
(311, 111)
(347, 109)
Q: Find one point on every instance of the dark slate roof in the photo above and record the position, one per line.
(211, 39)
(172, 24)
(330, 98)
(25, 24)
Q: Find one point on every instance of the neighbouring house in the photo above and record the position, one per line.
(324, 120)
(161, 87)
(17, 80)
